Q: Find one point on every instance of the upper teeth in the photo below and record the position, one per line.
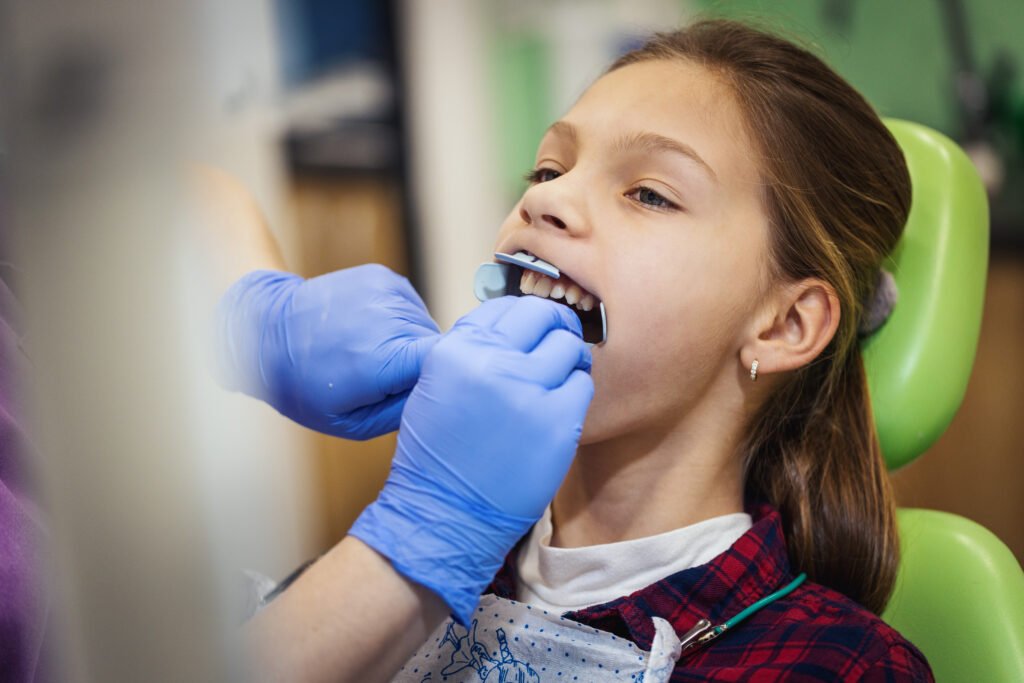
(543, 286)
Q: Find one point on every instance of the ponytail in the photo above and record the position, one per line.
(812, 452)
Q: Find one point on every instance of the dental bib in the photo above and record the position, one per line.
(510, 641)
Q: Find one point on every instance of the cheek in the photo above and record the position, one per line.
(681, 309)
(649, 369)
(668, 339)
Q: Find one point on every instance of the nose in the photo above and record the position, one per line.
(553, 204)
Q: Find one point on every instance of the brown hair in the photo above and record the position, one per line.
(837, 192)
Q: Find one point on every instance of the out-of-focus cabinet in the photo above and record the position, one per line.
(345, 220)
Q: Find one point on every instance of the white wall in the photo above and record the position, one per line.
(453, 164)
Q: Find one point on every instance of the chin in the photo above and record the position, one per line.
(623, 407)
(604, 412)
(603, 422)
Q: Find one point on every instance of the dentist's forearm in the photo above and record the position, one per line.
(232, 231)
(349, 617)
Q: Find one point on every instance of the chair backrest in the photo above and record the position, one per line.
(959, 594)
(959, 598)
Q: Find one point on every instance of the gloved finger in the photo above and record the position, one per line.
(371, 421)
(487, 314)
(401, 370)
(554, 358)
(573, 398)
(378, 277)
(404, 288)
(530, 318)
(383, 286)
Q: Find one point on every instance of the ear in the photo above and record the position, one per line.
(795, 327)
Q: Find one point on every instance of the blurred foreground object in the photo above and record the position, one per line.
(160, 485)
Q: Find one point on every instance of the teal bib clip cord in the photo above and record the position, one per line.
(703, 633)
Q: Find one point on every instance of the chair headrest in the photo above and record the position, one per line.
(919, 361)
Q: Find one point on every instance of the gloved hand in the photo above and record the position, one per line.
(486, 439)
(337, 353)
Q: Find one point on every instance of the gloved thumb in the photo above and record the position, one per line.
(401, 370)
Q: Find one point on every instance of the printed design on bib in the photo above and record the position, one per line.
(471, 653)
(513, 642)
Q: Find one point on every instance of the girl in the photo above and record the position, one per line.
(730, 199)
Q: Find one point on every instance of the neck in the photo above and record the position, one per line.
(649, 482)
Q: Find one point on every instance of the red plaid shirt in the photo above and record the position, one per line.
(812, 634)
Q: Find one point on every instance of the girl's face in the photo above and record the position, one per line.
(646, 195)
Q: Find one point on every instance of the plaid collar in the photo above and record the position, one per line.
(755, 565)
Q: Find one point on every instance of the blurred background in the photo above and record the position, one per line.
(394, 132)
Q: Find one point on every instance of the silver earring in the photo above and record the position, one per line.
(753, 371)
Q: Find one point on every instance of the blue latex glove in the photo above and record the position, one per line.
(337, 353)
(486, 438)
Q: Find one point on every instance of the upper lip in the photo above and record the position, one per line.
(513, 247)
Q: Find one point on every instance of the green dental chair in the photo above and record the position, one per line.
(959, 593)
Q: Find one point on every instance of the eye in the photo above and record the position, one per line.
(649, 197)
(541, 175)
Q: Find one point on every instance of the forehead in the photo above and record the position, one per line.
(677, 99)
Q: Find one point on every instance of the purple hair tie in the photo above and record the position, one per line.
(880, 305)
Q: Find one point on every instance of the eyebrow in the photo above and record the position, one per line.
(644, 142)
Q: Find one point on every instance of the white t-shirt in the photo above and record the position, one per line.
(568, 579)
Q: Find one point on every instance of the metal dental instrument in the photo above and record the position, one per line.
(497, 279)
(529, 261)
(494, 280)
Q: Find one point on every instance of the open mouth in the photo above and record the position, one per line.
(523, 274)
(565, 291)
